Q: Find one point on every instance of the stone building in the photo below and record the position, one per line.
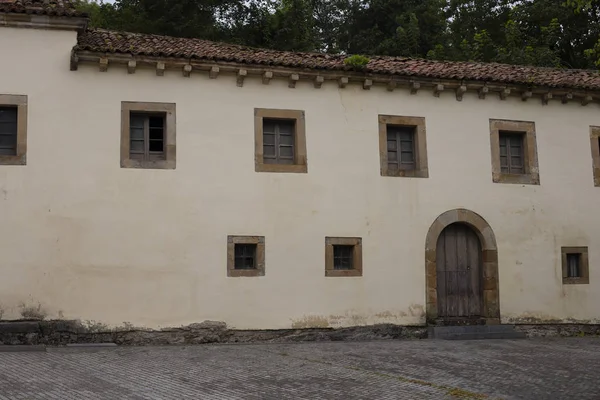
(161, 181)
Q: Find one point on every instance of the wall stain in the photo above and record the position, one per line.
(310, 321)
(540, 318)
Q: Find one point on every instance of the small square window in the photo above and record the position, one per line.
(514, 153)
(575, 266)
(402, 146)
(343, 256)
(148, 135)
(280, 141)
(245, 256)
(13, 129)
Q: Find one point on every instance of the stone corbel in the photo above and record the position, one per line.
(546, 97)
(266, 77)
(585, 100)
(504, 93)
(437, 89)
(292, 80)
(414, 87)
(160, 68)
(391, 85)
(103, 64)
(131, 64)
(214, 72)
(241, 75)
(187, 70)
(483, 92)
(367, 84)
(319, 81)
(342, 82)
(565, 99)
(526, 95)
(462, 89)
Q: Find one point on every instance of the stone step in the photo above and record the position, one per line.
(474, 332)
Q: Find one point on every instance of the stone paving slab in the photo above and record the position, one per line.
(567, 368)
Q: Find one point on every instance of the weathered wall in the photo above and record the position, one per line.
(87, 239)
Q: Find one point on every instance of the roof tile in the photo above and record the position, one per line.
(41, 7)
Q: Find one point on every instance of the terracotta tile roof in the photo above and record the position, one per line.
(40, 7)
(163, 46)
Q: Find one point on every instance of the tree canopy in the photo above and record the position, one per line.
(553, 33)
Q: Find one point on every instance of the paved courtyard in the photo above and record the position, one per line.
(555, 369)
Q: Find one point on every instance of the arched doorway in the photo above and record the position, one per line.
(461, 260)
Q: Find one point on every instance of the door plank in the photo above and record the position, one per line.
(462, 279)
(476, 275)
(451, 268)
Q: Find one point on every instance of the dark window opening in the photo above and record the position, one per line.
(8, 131)
(401, 147)
(574, 265)
(512, 157)
(245, 256)
(343, 257)
(279, 141)
(146, 136)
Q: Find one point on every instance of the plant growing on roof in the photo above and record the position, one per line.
(356, 61)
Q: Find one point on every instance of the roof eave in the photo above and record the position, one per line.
(35, 21)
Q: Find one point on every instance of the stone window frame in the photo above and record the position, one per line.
(300, 157)
(595, 145)
(20, 102)
(420, 142)
(527, 128)
(356, 256)
(584, 265)
(259, 241)
(168, 109)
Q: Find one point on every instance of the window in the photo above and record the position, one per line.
(13, 129)
(402, 146)
(575, 267)
(245, 256)
(343, 256)
(511, 153)
(148, 135)
(514, 152)
(280, 141)
(595, 141)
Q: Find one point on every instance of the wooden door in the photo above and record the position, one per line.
(459, 273)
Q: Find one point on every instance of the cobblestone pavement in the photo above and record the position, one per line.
(427, 369)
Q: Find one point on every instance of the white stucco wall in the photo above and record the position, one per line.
(84, 238)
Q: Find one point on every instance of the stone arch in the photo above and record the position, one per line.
(491, 304)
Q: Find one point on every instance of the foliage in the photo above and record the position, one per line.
(356, 61)
(563, 33)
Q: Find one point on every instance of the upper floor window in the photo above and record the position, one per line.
(280, 140)
(13, 129)
(402, 146)
(511, 152)
(514, 152)
(148, 135)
